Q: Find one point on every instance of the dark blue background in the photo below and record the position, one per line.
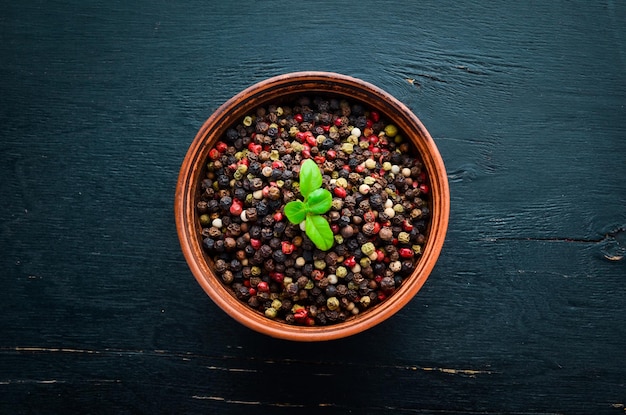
(524, 312)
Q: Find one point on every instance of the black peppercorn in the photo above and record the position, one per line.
(265, 251)
(223, 181)
(208, 243)
(225, 203)
(279, 256)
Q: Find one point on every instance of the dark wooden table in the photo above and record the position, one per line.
(524, 313)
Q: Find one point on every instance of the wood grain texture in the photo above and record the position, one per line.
(524, 313)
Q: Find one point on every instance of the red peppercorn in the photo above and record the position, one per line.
(298, 118)
(244, 161)
(394, 241)
(278, 164)
(381, 296)
(301, 315)
(246, 283)
(424, 188)
(334, 227)
(340, 192)
(278, 216)
(376, 228)
(369, 123)
(407, 226)
(310, 140)
(380, 255)
(252, 291)
(338, 121)
(236, 208)
(375, 116)
(263, 287)
(405, 252)
(317, 274)
(256, 243)
(287, 247)
(300, 136)
(326, 128)
(255, 148)
(214, 154)
(309, 321)
(373, 139)
(375, 149)
(360, 168)
(369, 216)
(350, 262)
(331, 154)
(221, 146)
(319, 159)
(378, 278)
(279, 277)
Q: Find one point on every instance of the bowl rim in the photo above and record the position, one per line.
(279, 88)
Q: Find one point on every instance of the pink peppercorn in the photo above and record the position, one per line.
(279, 277)
(214, 154)
(236, 208)
(263, 287)
(221, 146)
(287, 247)
(350, 262)
(340, 192)
(301, 315)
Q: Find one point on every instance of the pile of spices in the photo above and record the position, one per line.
(378, 217)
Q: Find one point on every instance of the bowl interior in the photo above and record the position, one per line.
(280, 90)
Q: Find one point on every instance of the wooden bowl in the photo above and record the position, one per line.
(274, 91)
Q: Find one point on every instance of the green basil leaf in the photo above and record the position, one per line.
(296, 211)
(319, 201)
(318, 230)
(310, 177)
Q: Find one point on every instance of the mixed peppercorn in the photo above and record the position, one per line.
(378, 217)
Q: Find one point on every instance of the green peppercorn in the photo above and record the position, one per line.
(205, 220)
(332, 303)
(368, 248)
(404, 238)
(365, 262)
(369, 180)
(271, 313)
(341, 271)
(365, 301)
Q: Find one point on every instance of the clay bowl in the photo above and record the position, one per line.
(274, 91)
